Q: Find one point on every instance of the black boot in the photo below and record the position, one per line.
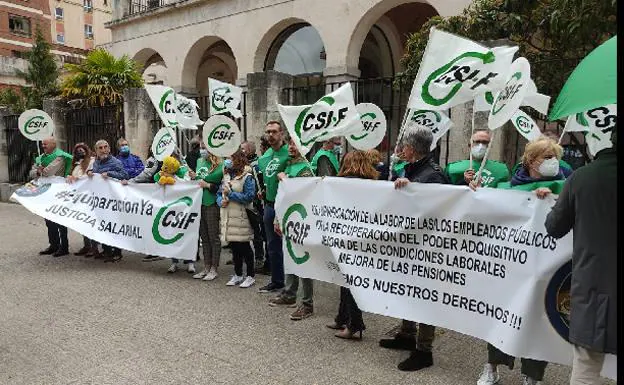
(48, 251)
(399, 342)
(416, 361)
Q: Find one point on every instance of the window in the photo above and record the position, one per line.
(59, 13)
(60, 38)
(88, 5)
(88, 31)
(19, 25)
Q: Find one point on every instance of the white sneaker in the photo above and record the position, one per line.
(173, 268)
(489, 376)
(190, 268)
(526, 380)
(235, 280)
(212, 274)
(201, 274)
(248, 282)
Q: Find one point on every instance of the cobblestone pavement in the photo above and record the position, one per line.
(73, 320)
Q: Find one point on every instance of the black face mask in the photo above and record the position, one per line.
(80, 155)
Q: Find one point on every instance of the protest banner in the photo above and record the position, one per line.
(163, 144)
(144, 218)
(454, 70)
(187, 114)
(164, 100)
(224, 98)
(480, 263)
(372, 129)
(510, 97)
(525, 125)
(221, 135)
(35, 125)
(436, 121)
(332, 115)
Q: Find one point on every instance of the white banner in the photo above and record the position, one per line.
(372, 129)
(333, 115)
(144, 218)
(224, 98)
(454, 70)
(525, 125)
(436, 121)
(480, 263)
(187, 113)
(35, 125)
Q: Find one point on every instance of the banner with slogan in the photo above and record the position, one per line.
(224, 98)
(436, 121)
(480, 263)
(335, 114)
(144, 218)
(454, 70)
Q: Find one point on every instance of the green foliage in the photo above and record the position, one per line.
(10, 98)
(554, 35)
(101, 79)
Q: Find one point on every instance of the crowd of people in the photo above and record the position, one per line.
(238, 212)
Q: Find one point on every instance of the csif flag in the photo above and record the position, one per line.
(224, 98)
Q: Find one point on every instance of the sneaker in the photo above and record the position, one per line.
(201, 274)
(248, 282)
(211, 275)
(190, 268)
(235, 280)
(526, 380)
(399, 343)
(270, 287)
(280, 301)
(173, 268)
(301, 313)
(417, 360)
(489, 375)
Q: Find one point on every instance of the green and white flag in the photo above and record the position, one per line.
(164, 143)
(373, 127)
(596, 119)
(534, 99)
(525, 125)
(187, 113)
(224, 98)
(35, 125)
(598, 141)
(333, 115)
(510, 97)
(436, 121)
(454, 70)
(164, 100)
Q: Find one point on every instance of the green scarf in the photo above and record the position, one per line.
(330, 155)
(45, 159)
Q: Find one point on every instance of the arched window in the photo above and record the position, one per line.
(298, 50)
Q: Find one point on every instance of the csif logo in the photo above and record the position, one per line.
(370, 123)
(321, 121)
(455, 72)
(221, 98)
(163, 143)
(272, 167)
(35, 124)
(220, 135)
(295, 231)
(524, 125)
(185, 107)
(173, 217)
(429, 119)
(167, 105)
(511, 89)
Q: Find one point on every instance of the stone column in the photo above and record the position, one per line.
(56, 109)
(138, 115)
(4, 150)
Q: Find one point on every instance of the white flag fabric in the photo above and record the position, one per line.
(187, 113)
(373, 127)
(534, 99)
(224, 98)
(510, 97)
(525, 125)
(333, 115)
(480, 263)
(164, 100)
(145, 218)
(601, 118)
(436, 121)
(221, 135)
(454, 70)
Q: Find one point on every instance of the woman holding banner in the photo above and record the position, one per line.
(539, 172)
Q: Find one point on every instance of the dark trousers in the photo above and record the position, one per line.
(241, 251)
(89, 243)
(112, 250)
(349, 313)
(57, 235)
(531, 368)
(424, 334)
(274, 246)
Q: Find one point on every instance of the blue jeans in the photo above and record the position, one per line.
(274, 246)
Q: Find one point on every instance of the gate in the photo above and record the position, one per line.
(91, 124)
(22, 152)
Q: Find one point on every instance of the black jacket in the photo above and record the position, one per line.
(425, 171)
(588, 206)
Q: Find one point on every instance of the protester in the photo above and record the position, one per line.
(349, 320)
(264, 144)
(271, 163)
(400, 162)
(297, 166)
(380, 166)
(421, 168)
(463, 172)
(539, 172)
(108, 167)
(588, 205)
(131, 162)
(53, 162)
(209, 174)
(83, 161)
(193, 154)
(235, 194)
(325, 162)
(564, 166)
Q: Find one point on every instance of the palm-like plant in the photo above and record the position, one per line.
(101, 79)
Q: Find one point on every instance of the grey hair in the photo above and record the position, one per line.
(419, 138)
(101, 141)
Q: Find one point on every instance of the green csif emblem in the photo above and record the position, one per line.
(295, 231)
(167, 107)
(369, 125)
(523, 124)
(221, 98)
(36, 123)
(222, 132)
(172, 218)
(162, 144)
(321, 121)
(510, 90)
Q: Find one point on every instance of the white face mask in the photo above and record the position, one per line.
(478, 151)
(549, 167)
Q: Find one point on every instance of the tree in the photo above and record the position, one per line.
(554, 35)
(101, 79)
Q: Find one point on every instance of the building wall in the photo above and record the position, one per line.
(74, 20)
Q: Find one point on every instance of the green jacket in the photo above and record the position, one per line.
(180, 173)
(493, 174)
(203, 166)
(272, 163)
(46, 159)
(332, 159)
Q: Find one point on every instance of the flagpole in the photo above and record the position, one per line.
(472, 132)
(485, 157)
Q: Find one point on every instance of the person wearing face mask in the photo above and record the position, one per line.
(193, 155)
(325, 162)
(539, 172)
(462, 172)
(83, 161)
(132, 163)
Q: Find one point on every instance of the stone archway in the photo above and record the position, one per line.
(210, 56)
(153, 66)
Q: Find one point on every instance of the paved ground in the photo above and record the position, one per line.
(73, 320)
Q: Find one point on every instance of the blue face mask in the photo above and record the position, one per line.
(125, 150)
(203, 153)
(228, 164)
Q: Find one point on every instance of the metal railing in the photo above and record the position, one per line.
(90, 124)
(21, 151)
(141, 6)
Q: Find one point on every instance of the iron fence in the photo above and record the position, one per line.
(21, 151)
(91, 124)
(137, 7)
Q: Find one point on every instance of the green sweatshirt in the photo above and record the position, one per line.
(214, 177)
(330, 155)
(493, 174)
(272, 163)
